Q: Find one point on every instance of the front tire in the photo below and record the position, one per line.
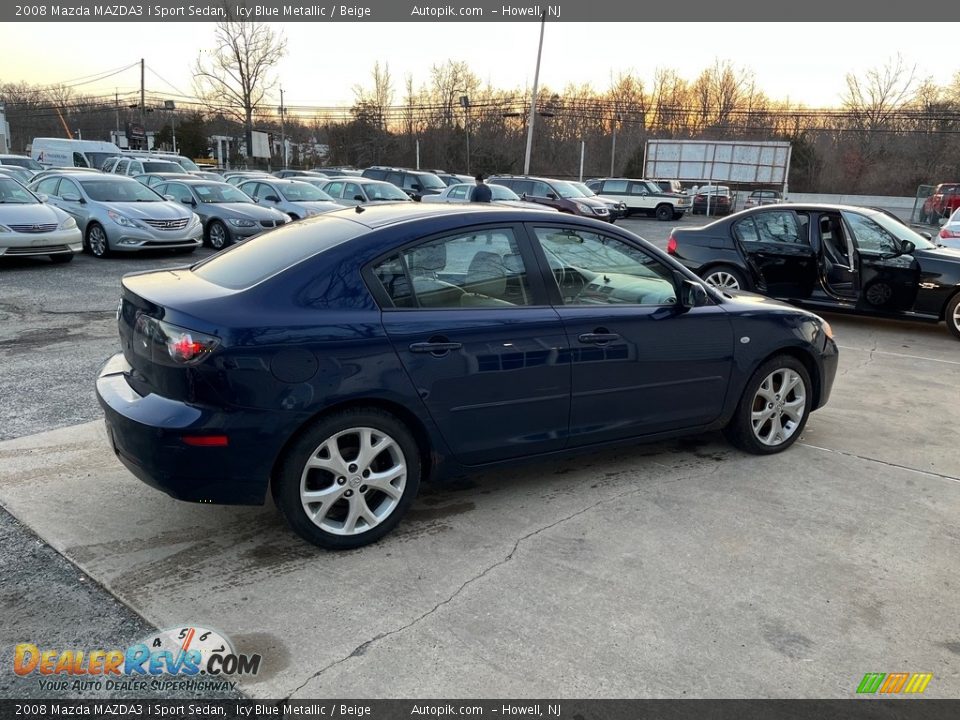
(725, 277)
(774, 407)
(97, 241)
(218, 237)
(349, 479)
(952, 316)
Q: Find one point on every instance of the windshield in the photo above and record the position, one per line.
(21, 174)
(384, 191)
(429, 180)
(900, 231)
(587, 192)
(97, 159)
(302, 192)
(566, 190)
(186, 163)
(22, 162)
(501, 192)
(108, 190)
(220, 193)
(156, 166)
(12, 192)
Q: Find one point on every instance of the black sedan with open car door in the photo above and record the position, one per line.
(829, 257)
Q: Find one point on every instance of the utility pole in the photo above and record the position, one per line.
(283, 132)
(116, 104)
(143, 106)
(533, 99)
(613, 149)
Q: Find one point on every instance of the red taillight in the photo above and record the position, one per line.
(944, 233)
(184, 348)
(672, 245)
(206, 440)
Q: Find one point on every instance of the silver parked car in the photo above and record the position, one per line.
(28, 227)
(227, 214)
(359, 190)
(501, 195)
(297, 199)
(117, 213)
(17, 173)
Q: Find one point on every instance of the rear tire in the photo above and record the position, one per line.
(349, 479)
(774, 407)
(664, 213)
(952, 316)
(725, 277)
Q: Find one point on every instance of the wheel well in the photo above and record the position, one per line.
(403, 414)
(717, 264)
(943, 310)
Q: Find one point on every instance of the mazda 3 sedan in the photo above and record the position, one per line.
(835, 257)
(335, 362)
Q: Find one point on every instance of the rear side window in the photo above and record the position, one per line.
(614, 186)
(253, 261)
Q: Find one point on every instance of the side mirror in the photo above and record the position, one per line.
(70, 197)
(43, 197)
(359, 197)
(272, 198)
(693, 294)
(907, 247)
(188, 201)
(924, 234)
(417, 187)
(552, 196)
(171, 198)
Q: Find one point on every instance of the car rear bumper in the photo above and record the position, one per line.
(147, 435)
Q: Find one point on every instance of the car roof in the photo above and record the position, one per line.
(378, 216)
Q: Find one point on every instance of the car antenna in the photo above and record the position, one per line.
(360, 209)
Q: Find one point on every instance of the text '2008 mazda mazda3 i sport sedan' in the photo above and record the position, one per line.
(338, 361)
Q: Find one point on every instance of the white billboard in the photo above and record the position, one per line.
(260, 142)
(732, 161)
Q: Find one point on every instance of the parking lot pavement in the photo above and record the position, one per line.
(677, 569)
(682, 569)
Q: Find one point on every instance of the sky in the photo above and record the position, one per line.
(805, 63)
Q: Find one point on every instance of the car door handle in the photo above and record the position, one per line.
(435, 347)
(598, 338)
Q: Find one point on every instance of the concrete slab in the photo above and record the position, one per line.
(680, 569)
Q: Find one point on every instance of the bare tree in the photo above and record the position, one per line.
(237, 75)
(379, 98)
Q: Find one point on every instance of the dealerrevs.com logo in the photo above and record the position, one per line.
(894, 683)
(169, 659)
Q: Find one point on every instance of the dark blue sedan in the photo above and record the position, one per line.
(337, 361)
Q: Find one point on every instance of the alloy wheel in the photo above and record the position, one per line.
(98, 241)
(778, 407)
(353, 481)
(723, 279)
(218, 236)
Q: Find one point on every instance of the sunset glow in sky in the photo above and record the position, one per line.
(802, 63)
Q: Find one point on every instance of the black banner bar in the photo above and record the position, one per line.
(871, 708)
(489, 11)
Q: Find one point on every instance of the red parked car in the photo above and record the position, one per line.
(944, 200)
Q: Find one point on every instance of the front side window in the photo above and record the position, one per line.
(595, 269)
(303, 192)
(119, 190)
(48, 185)
(868, 235)
(479, 269)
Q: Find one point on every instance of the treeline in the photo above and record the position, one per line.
(890, 133)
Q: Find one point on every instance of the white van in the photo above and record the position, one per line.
(57, 152)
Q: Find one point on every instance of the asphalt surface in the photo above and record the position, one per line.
(670, 570)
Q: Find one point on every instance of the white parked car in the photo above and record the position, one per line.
(950, 232)
(29, 227)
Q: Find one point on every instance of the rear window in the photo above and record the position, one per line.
(152, 166)
(253, 261)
